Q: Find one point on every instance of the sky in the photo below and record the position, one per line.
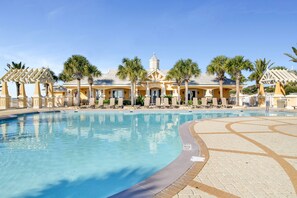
(45, 33)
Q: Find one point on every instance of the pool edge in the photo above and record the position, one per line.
(176, 175)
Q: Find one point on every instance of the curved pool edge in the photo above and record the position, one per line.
(178, 174)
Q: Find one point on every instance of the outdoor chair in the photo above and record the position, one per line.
(112, 103)
(195, 103)
(224, 103)
(120, 103)
(158, 102)
(92, 103)
(204, 103)
(174, 103)
(166, 103)
(147, 102)
(100, 103)
(215, 103)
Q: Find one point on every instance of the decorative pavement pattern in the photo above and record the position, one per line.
(245, 157)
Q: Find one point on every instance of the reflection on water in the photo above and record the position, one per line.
(69, 146)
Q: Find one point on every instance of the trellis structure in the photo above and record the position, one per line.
(279, 78)
(27, 76)
(278, 75)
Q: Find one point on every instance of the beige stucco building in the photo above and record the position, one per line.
(110, 86)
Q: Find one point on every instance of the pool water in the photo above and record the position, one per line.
(89, 154)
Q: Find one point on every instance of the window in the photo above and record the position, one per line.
(117, 93)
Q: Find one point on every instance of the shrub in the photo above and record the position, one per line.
(190, 102)
(140, 100)
(290, 89)
(107, 101)
(250, 90)
(126, 102)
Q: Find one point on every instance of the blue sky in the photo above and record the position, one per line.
(45, 33)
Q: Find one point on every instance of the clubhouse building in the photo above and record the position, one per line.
(110, 86)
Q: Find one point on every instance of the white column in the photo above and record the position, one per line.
(37, 102)
(147, 94)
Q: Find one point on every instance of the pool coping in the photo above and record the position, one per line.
(177, 175)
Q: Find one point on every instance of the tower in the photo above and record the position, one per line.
(154, 62)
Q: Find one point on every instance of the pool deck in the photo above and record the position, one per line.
(244, 157)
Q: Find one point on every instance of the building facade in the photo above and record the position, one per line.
(110, 86)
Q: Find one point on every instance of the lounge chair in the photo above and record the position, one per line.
(174, 103)
(92, 103)
(204, 103)
(120, 103)
(224, 103)
(100, 103)
(111, 103)
(166, 103)
(158, 103)
(195, 103)
(147, 102)
(215, 103)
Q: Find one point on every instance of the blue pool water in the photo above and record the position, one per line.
(89, 154)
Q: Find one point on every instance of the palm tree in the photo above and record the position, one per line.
(93, 72)
(188, 69)
(134, 71)
(175, 74)
(76, 67)
(217, 67)
(14, 65)
(293, 58)
(234, 67)
(260, 66)
(279, 67)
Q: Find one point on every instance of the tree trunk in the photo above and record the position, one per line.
(186, 92)
(221, 89)
(178, 92)
(132, 93)
(258, 86)
(90, 92)
(78, 92)
(18, 88)
(237, 90)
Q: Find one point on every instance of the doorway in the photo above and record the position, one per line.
(155, 93)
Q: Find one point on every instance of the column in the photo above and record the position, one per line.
(279, 93)
(22, 98)
(37, 101)
(5, 98)
(147, 94)
(50, 97)
(163, 92)
(103, 93)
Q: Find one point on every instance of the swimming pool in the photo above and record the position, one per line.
(90, 154)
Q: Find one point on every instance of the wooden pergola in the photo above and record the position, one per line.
(27, 76)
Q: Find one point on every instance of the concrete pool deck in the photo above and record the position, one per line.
(247, 157)
(244, 157)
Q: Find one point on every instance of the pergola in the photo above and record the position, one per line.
(279, 78)
(27, 76)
